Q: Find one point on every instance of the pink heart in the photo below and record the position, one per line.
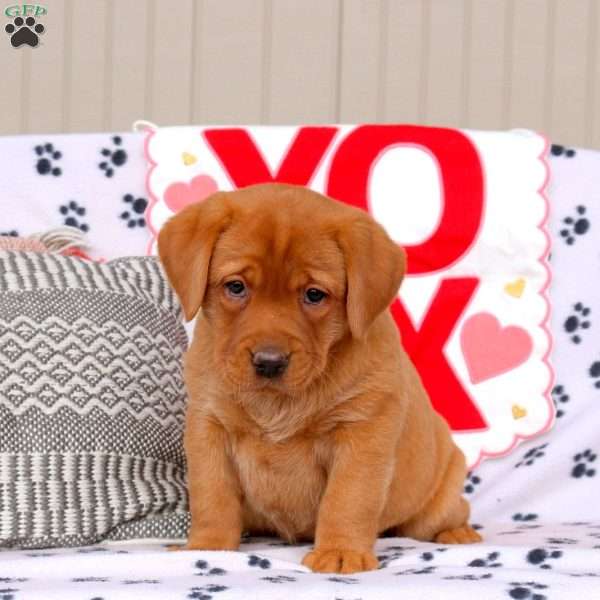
(178, 195)
(490, 349)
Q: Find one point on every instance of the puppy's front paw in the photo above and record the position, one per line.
(340, 561)
(461, 535)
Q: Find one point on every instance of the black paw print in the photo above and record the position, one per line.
(71, 209)
(427, 556)
(257, 561)
(582, 462)
(472, 482)
(594, 372)
(558, 150)
(47, 154)
(577, 321)
(532, 455)
(11, 233)
(279, 579)
(524, 517)
(559, 396)
(24, 32)
(205, 592)
(558, 541)
(205, 569)
(577, 225)
(490, 561)
(539, 556)
(469, 577)
(115, 157)
(424, 571)
(527, 590)
(138, 206)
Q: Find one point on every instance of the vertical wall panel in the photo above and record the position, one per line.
(445, 65)
(170, 80)
(360, 60)
(489, 64)
(406, 58)
(569, 74)
(128, 80)
(89, 75)
(44, 75)
(12, 106)
(486, 64)
(593, 111)
(303, 60)
(530, 42)
(228, 62)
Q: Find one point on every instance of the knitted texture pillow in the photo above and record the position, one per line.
(92, 402)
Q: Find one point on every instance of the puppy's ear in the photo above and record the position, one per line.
(185, 247)
(375, 266)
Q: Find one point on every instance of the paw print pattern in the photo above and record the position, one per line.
(24, 32)
(560, 397)
(577, 321)
(205, 592)
(72, 212)
(532, 455)
(540, 556)
(47, 154)
(594, 372)
(528, 590)
(135, 216)
(524, 517)
(491, 561)
(257, 561)
(114, 157)
(11, 233)
(205, 569)
(558, 150)
(279, 579)
(427, 556)
(583, 461)
(576, 226)
(472, 482)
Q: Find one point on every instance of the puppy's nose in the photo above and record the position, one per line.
(269, 362)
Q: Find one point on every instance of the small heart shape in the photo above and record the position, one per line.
(490, 349)
(515, 288)
(178, 195)
(188, 159)
(518, 412)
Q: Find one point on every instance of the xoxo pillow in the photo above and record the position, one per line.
(469, 208)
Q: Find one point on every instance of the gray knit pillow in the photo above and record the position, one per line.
(92, 402)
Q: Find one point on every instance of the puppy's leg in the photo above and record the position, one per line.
(214, 490)
(444, 518)
(356, 490)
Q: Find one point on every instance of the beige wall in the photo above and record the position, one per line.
(470, 63)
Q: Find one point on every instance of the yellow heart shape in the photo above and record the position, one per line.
(518, 412)
(188, 159)
(515, 288)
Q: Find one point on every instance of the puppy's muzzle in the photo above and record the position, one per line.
(269, 362)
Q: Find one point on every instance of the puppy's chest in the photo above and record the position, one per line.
(282, 482)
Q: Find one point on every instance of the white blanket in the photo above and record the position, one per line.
(522, 561)
(538, 509)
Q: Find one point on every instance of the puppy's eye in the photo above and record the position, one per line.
(236, 288)
(314, 296)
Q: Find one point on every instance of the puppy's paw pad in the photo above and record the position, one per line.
(460, 535)
(340, 561)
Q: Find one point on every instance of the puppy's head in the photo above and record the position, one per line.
(282, 274)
